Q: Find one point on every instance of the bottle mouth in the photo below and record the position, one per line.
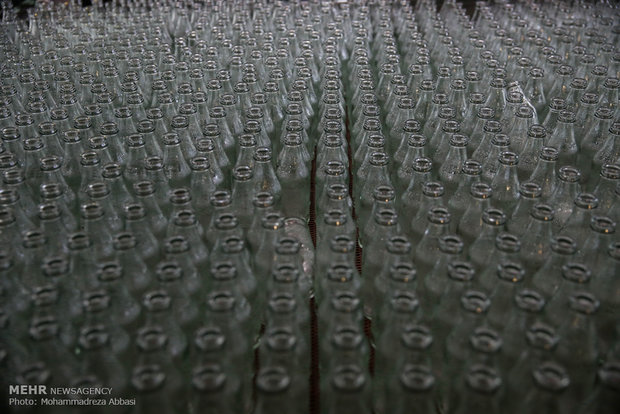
(334, 168)
(530, 190)
(386, 217)
(603, 225)
(481, 191)
(78, 241)
(345, 301)
(89, 158)
(208, 377)
(493, 127)
(569, 174)
(91, 211)
(543, 212)
(82, 122)
(185, 110)
(459, 140)
(144, 188)
(486, 113)
(169, 272)
(549, 154)
(583, 302)
(271, 380)
(486, 340)
(109, 272)
(610, 172)
(111, 170)
(576, 273)
(51, 163)
(171, 139)
(342, 244)
(135, 141)
(551, 376)
(461, 271)
(449, 126)
(293, 139)
(537, 131)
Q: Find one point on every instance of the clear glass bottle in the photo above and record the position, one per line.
(563, 138)
(293, 173)
(470, 224)
(537, 237)
(427, 249)
(278, 391)
(545, 172)
(578, 349)
(528, 156)
(481, 249)
(346, 390)
(481, 390)
(450, 170)
(505, 184)
(432, 196)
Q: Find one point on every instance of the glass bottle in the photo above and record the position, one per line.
(386, 224)
(594, 136)
(15, 180)
(136, 154)
(412, 146)
(432, 196)
(578, 349)
(215, 389)
(346, 390)
(242, 193)
(530, 194)
(537, 237)
(605, 189)
(182, 289)
(293, 173)
(51, 168)
(184, 223)
(556, 105)
(450, 170)
(470, 173)
(564, 195)
(428, 247)
(135, 268)
(278, 391)
(482, 150)
(551, 381)
(604, 397)
(505, 184)
(528, 156)
(563, 138)
(412, 386)
(145, 194)
(544, 174)
(100, 192)
(480, 390)
(470, 224)
(585, 205)
(534, 90)
(481, 249)
(265, 174)
(609, 153)
(112, 174)
(124, 309)
(592, 249)
(49, 134)
(10, 199)
(176, 169)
